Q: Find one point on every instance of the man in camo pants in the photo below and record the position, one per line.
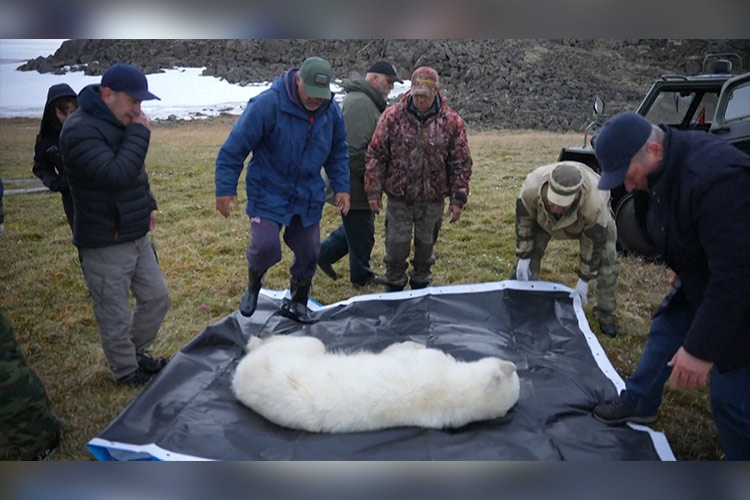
(562, 201)
(419, 155)
(28, 430)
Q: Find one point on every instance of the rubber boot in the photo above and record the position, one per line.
(250, 298)
(296, 308)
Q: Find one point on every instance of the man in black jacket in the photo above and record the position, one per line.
(104, 145)
(699, 220)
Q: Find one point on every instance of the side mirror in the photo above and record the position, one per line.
(598, 106)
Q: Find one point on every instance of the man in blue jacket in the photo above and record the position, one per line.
(699, 220)
(292, 129)
(104, 145)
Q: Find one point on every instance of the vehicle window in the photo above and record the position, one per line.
(672, 107)
(738, 104)
(706, 109)
(669, 108)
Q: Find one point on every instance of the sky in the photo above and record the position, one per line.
(184, 92)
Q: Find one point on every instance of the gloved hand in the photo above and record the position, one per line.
(522, 270)
(582, 289)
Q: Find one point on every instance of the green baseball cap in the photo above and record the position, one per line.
(317, 75)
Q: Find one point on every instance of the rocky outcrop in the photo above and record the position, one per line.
(534, 84)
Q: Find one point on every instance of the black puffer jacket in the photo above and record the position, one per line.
(104, 161)
(699, 219)
(47, 160)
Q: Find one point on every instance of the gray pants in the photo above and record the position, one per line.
(401, 218)
(111, 273)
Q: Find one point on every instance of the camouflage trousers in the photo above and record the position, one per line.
(26, 422)
(401, 219)
(605, 292)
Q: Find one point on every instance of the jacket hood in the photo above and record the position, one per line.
(91, 102)
(50, 123)
(362, 85)
(289, 80)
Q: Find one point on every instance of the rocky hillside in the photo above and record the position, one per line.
(536, 84)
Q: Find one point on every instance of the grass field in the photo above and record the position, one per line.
(202, 256)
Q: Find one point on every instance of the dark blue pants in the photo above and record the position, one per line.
(265, 246)
(730, 392)
(355, 236)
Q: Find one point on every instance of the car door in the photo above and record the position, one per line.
(732, 119)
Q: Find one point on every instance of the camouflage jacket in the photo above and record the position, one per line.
(411, 161)
(586, 220)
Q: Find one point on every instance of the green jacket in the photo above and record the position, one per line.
(586, 222)
(362, 107)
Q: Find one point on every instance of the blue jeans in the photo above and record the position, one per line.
(730, 403)
(667, 333)
(730, 392)
(356, 237)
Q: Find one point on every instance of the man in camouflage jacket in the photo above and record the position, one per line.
(419, 155)
(28, 429)
(561, 201)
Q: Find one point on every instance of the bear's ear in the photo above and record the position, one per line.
(253, 343)
(507, 368)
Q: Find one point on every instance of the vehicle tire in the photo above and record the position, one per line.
(632, 236)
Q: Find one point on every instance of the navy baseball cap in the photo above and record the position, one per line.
(126, 78)
(385, 68)
(619, 140)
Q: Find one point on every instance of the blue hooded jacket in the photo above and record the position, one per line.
(289, 147)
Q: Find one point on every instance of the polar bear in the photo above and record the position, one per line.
(292, 381)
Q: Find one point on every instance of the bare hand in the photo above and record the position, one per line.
(688, 372)
(375, 205)
(455, 212)
(343, 202)
(142, 119)
(223, 204)
(152, 223)
(673, 278)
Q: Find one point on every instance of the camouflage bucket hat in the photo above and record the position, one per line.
(564, 183)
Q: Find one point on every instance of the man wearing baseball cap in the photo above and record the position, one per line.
(292, 129)
(364, 102)
(104, 146)
(699, 221)
(561, 201)
(419, 156)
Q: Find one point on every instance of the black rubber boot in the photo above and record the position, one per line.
(250, 298)
(296, 308)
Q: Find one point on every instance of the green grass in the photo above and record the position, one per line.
(202, 256)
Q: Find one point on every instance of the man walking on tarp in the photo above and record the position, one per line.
(292, 129)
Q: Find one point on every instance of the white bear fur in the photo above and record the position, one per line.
(292, 381)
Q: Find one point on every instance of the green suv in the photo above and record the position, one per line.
(718, 103)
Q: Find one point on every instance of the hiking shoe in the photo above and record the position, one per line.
(138, 377)
(618, 411)
(417, 285)
(608, 329)
(373, 280)
(46, 454)
(328, 270)
(150, 365)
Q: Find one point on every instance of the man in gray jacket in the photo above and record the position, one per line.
(362, 106)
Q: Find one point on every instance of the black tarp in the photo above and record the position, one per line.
(189, 411)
